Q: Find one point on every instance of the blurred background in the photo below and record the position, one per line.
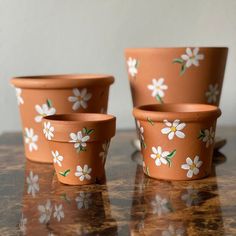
(81, 36)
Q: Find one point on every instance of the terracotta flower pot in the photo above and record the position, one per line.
(79, 144)
(176, 75)
(39, 96)
(177, 139)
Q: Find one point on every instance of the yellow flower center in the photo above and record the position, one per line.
(158, 155)
(158, 87)
(193, 166)
(173, 129)
(80, 98)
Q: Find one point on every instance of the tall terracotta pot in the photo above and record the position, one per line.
(179, 75)
(39, 96)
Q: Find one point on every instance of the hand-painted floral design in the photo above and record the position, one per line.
(191, 197)
(158, 88)
(160, 206)
(48, 130)
(18, 96)
(57, 158)
(45, 212)
(132, 66)
(140, 134)
(171, 231)
(192, 166)
(44, 110)
(83, 173)
(64, 173)
(31, 139)
(83, 200)
(191, 57)
(103, 154)
(173, 129)
(33, 185)
(213, 93)
(80, 98)
(22, 225)
(81, 138)
(207, 136)
(162, 157)
(58, 212)
(145, 169)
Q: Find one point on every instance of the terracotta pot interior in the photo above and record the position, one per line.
(82, 117)
(176, 108)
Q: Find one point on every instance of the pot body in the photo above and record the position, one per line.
(177, 145)
(75, 162)
(79, 145)
(37, 101)
(176, 75)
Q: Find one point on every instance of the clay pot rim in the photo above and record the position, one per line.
(151, 49)
(173, 111)
(78, 118)
(62, 81)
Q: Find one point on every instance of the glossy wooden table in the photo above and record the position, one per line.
(32, 202)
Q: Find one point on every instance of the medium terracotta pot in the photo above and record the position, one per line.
(176, 75)
(177, 140)
(79, 144)
(39, 96)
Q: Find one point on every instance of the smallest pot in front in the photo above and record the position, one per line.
(177, 140)
(79, 144)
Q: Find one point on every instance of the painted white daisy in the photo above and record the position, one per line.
(80, 98)
(31, 139)
(160, 206)
(209, 136)
(192, 166)
(173, 129)
(57, 158)
(43, 111)
(103, 154)
(132, 66)
(22, 225)
(48, 130)
(159, 156)
(33, 183)
(83, 173)
(45, 212)
(192, 57)
(212, 93)
(191, 197)
(58, 212)
(158, 87)
(18, 96)
(83, 200)
(171, 231)
(79, 140)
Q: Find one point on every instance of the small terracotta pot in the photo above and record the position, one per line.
(39, 96)
(177, 140)
(176, 75)
(79, 144)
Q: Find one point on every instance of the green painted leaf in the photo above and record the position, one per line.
(172, 154)
(137, 64)
(64, 197)
(49, 103)
(147, 169)
(84, 130)
(183, 69)
(201, 134)
(150, 121)
(64, 173)
(169, 161)
(178, 60)
(90, 131)
(159, 99)
(143, 145)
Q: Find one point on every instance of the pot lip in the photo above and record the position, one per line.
(173, 111)
(79, 118)
(61, 80)
(150, 49)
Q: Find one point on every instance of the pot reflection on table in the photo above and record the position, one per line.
(175, 207)
(51, 208)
